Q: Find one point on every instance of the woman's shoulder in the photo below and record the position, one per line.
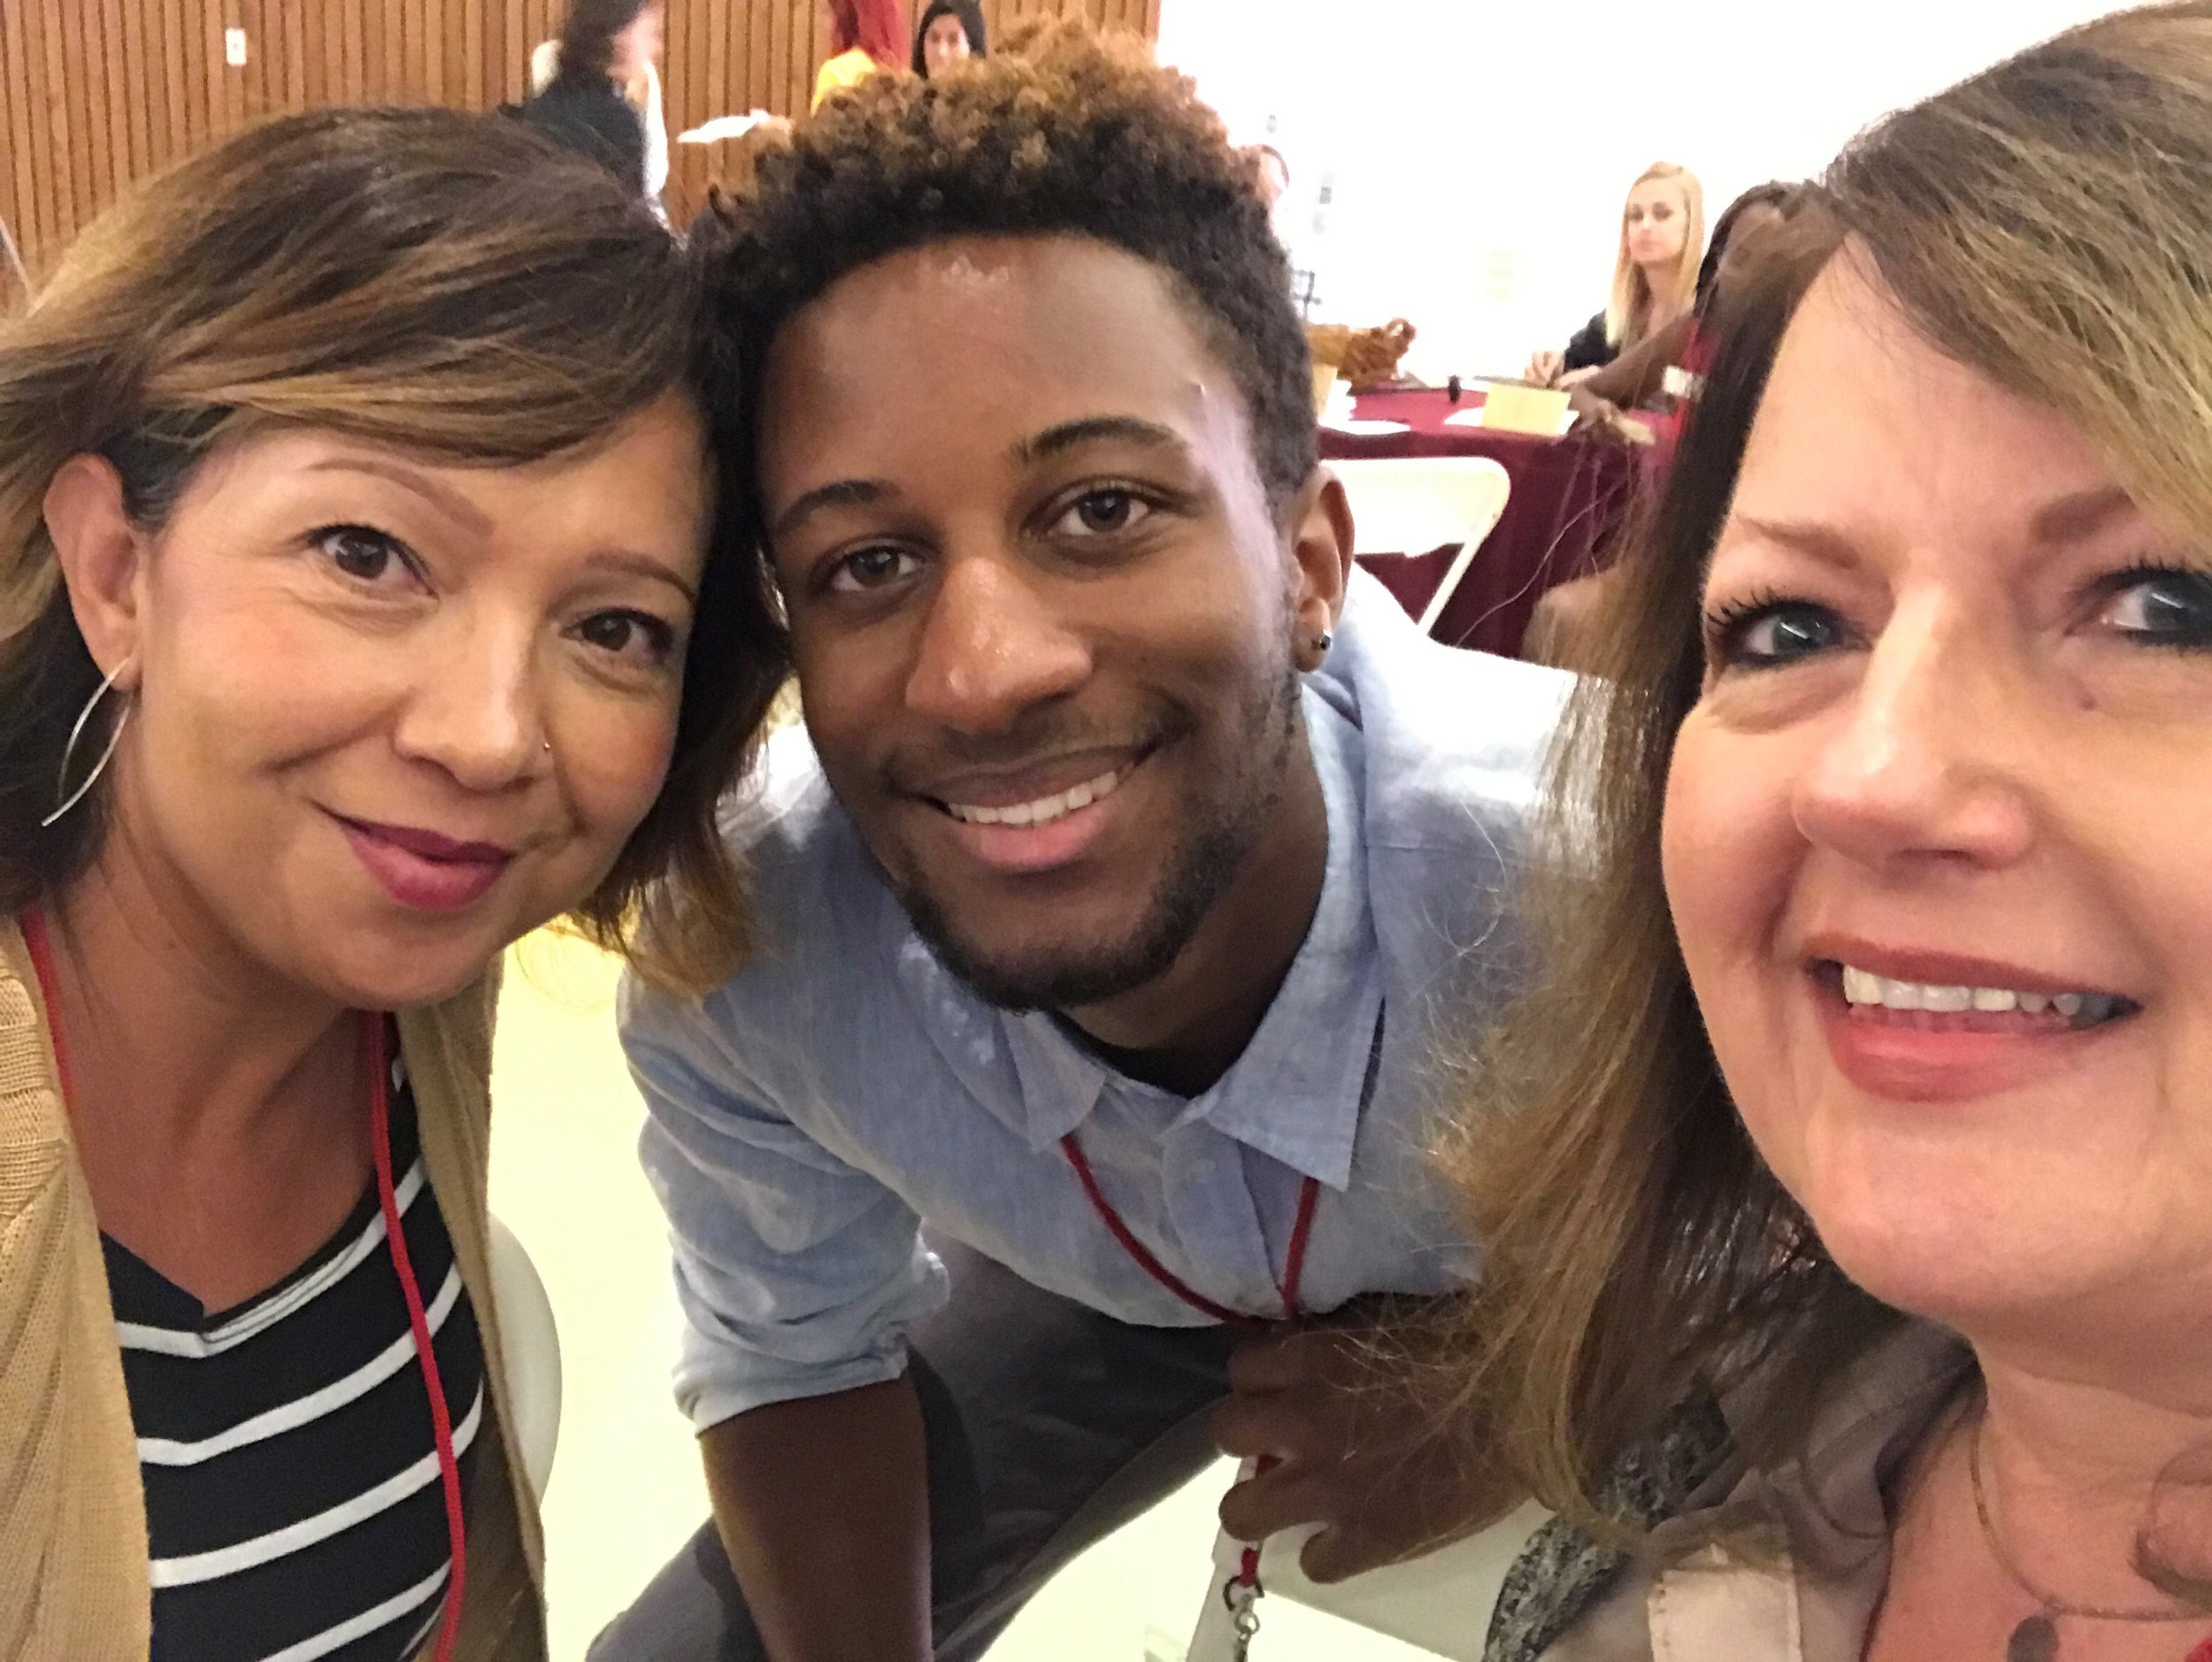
(1712, 1516)
(33, 1126)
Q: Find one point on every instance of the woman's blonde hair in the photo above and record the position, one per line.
(451, 284)
(1632, 310)
(2044, 223)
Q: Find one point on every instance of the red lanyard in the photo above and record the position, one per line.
(1294, 1260)
(377, 1063)
(1242, 1590)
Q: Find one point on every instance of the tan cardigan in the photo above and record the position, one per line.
(74, 1578)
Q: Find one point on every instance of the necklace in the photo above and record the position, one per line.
(2035, 1638)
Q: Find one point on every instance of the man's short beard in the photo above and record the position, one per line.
(1200, 870)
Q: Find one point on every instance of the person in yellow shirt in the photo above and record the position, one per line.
(870, 36)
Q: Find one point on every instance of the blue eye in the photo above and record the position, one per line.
(1770, 634)
(2162, 607)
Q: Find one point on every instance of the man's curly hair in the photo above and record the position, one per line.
(1065, 134)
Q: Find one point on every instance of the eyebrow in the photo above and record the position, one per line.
(842, 493)
(645, 566)
(450, 501)
(1818, 542)
(2069, 519)
(477, 521)
(2073, 519)
(1057, 440)
(1054, 441)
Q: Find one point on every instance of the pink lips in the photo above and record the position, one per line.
(1924, 1057)
(422, 870)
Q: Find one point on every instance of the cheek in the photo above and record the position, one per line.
(236, 683)
(1729, 849)
(614, 758)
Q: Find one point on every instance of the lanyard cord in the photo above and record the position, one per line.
(1294, 1263)
(1243, 1590)
(417, 1320)
(373, 1057)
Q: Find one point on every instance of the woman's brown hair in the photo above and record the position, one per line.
(453, 285)
(2044, 224)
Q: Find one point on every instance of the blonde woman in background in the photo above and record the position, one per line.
(1849, 1193)
(369, 596)
(1654, 274)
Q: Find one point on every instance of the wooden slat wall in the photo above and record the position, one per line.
(95, 93)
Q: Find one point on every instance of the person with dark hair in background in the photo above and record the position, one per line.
(1133, 849)
(605, 45)
(870, 38)
(950, 32)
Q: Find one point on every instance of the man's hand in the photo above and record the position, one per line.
(1361, 1450)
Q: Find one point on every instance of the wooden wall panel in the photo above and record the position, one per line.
(97, 94)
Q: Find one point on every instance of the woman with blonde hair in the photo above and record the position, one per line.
(369, 596)
(1654, 273)
(1848, 1185)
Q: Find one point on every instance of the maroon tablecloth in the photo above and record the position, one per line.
(1569, 496)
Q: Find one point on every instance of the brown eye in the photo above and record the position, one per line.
(866, 570)
(359, 551)
(1103, 513)
(632, 635)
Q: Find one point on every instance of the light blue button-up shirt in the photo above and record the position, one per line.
(815, 1114)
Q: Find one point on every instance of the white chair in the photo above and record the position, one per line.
(1413, 504)
(533, 1357)
(1440, 1602)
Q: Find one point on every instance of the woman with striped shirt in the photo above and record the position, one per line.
(368, 596)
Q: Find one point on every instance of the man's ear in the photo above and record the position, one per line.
(1321, 546)
(103, 561)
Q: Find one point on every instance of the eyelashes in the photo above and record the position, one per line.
(2150, 603)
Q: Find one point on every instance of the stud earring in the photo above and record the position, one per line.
(1323, 640)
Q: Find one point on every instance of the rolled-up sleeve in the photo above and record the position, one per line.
(797, 1274)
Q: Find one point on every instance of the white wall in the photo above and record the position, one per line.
(1474, 152)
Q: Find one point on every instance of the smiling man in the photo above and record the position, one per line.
(1135, 861)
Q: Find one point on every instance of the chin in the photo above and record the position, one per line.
(404, 975)
(1962, 1266)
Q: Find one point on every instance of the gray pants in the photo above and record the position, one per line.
(1048, 1426)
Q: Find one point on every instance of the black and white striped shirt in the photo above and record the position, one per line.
(293, 1496)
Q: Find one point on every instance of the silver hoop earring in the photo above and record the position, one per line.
(69, 751)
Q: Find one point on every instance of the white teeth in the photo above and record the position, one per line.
(1045, 809)
(1864, 986)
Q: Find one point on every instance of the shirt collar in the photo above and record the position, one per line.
(1294, 1094)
